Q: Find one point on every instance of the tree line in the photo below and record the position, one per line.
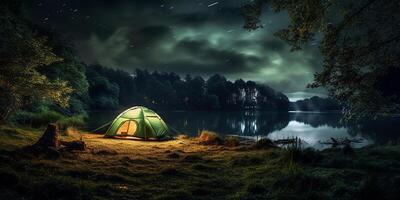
(316, 104)
(110, 89)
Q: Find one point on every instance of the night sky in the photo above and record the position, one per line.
(199, 37)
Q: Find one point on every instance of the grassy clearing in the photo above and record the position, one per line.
(185, 169)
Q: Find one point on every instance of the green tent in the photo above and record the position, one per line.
(138, 122)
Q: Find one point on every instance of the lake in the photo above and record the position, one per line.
(312, 127)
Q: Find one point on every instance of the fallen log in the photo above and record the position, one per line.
(288, 141)
(73, 145)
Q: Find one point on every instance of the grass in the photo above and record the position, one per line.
(185, 169)
(13, 137)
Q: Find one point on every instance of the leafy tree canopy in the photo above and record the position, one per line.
(22, 54)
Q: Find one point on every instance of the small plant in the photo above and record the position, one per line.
(209, 138)
(292, 152)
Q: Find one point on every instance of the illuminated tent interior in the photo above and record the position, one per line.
(138, 122)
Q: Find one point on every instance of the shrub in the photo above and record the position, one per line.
(74, 121)
(37, 119)
(45, 118)
(22, 117)
(209, 138)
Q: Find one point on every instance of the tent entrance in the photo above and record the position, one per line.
(127, 128)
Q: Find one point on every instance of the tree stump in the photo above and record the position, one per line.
(51, 146)
(50, 138)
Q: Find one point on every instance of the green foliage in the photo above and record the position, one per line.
(41, 118)
(71, 71)
(74, 121)
(36, 119)
(22, 54)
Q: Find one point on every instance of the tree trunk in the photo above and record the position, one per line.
(50, 138)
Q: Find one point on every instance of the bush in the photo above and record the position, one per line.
(22, 117)
(209, 138)
(74, 121)
(44, 116)
(38, 119)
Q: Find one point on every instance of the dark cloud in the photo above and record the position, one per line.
(274, 45)
(192, 46)
(180, 36)
(149, 36)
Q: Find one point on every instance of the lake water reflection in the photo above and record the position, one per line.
(310, 127)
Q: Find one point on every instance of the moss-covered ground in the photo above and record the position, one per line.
(185, 169)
